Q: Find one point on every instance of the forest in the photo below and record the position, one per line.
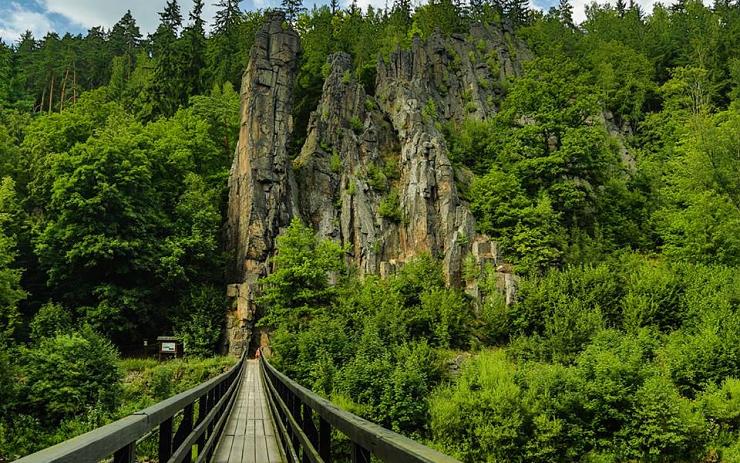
(609, 178)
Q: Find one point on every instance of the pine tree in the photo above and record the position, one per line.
(224, 42)
(517, 11)
(168, 86)
(125, 40)
(353, 8)
(95, 55)
(621, 7)
(565, 9)
(292, 9)
(402, 10)
(227, 16)
(194, 42)
(476, 9)
(334, 5)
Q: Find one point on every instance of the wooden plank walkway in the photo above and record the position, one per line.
(249, 436)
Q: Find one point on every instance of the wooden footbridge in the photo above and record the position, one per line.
(252, 413)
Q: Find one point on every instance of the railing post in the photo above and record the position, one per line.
(359, 454)
(308, 425)
(324, 440)
(185, 428)
(295, 410)
(203, 410)
(126, 455)
(165, 440)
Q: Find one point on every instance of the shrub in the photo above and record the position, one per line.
(664, 425)
(356, 124)
(335, 162)
(51, 319)
(390, 207)
(201, 317)
(376, 178)
(70, 372)
(653, 292)
(444, 319)
(429, 111)
(480, 417)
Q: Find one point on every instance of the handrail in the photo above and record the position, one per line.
(197, 432)
(297, 410)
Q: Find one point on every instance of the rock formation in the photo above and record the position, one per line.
(374, 171)
(261, 192)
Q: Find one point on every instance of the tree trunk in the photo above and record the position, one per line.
(64, 91)
(51, 94)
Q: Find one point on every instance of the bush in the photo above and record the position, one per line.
(51, 319)
(390, 207)
(652, 294)
(201, 319)
(480, 417)
(704, 356)
(376, 178)
(356, 125)
(335, 162)
(444, 319)
(664, 426)
(68, 373)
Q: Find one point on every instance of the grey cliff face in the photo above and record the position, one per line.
(260, 188)
(374, 171)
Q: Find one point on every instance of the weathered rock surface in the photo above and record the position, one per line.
(374, 171)
(261, 192)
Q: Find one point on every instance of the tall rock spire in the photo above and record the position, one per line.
(261, 190)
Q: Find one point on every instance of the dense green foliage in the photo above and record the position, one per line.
(609, 177)
(77, 383)
(635, 358)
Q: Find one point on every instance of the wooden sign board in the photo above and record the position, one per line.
(168, 348)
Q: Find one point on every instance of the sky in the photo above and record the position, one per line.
(77, 16)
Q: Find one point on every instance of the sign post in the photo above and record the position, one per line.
(169, 347)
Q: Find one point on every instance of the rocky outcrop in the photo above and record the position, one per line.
(374, 171)
(261, 191)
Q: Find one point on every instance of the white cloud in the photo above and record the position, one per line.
(18, 19)
(89, 13)
(579, 6)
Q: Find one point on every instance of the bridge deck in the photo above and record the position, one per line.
(249, 436)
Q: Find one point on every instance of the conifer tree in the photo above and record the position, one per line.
(476, 8)
(227, 16)
(125, 39)
(621, 7)
(565, 10)
(223, 44)
(402, 10)
(353, 8)
(517, 11)
(292, 9)
(5, 72)
(194, 39)
(167, 86)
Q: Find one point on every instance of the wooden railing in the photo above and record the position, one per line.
(200, 411)
(304, 423)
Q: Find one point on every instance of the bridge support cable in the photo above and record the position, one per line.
(305, 422)
(201, 411)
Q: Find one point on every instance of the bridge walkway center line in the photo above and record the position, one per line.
(249, 436)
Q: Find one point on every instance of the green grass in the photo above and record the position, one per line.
(147, 381)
